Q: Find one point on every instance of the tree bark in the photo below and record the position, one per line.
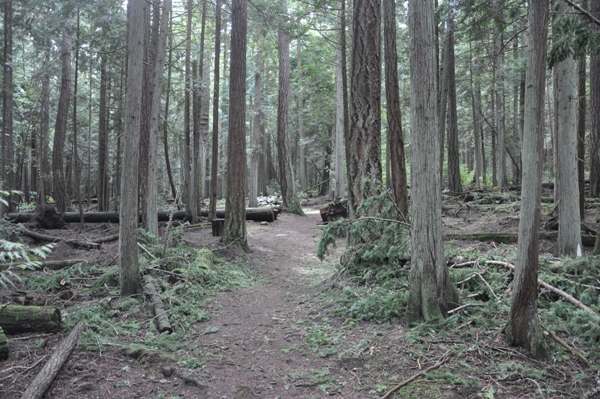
(130, 279)
(235, 221)
(476, 103)
(454, 182)
(3, 346)
(60, 355)
(569, 221)
(399, 181)
(524, 328)
(215, 128)
(581, 116)
(339, 150)
(60, 129)
(431, 293)
(256, 144)
(365, 107)
(7, 161)
(595, 110)
(15, 319)
(500, 115)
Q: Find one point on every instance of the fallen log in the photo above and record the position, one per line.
(158, 308)
(45, 377)
(510, 238)
(49, 238)
(3, 345)
(49, 264)
(334, 210)
(16, 319)
(91, 217)
(260, 214)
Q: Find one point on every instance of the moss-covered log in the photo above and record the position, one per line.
(161, 318)
(16, 319)
(3, 345)
(511, 238)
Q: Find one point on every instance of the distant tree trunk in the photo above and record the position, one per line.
(301, 145)
(524, 328)
(76, 163)
(256, 147)
(60, 129)
(500, 114)
(454, 183)
(190, 188)
(130, 279)
(345, 106)
(234, 230)
(212, 211)
(7, 108)
(476, 104)
(157, 80)
(103, 188)
(582, 110)
(340, 170)
(204, 116)
(150, 39)
(43, 178)
(595, 110)
(200, 128)
(399, 181)
(165, 135)
(365, 113)
(442, 99)
(284, 155)
(431, 293)
(569, 225)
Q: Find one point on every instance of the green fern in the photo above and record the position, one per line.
(27, 258)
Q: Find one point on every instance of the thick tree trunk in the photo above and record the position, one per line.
(581, 116)
(431, 293)
(256, 147)
(338, 139)
(215, 129)
(524, 328)
(15, 319)
(130, 279)
(7, 162)
(190, 188)
(399, 181)
(569, 221)
(301, 144)
(234, 230)
(595, 110)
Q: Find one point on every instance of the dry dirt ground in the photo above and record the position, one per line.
(278, 339)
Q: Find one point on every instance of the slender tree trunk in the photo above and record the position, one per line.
(212, 211)
(340, 170)
(442, 88)
(301, 146)
(234, 230)
(431, 293)
(190, 189)
(256, 150)
(454, 182)
(595, 110)
(76, 163)
(103, 189)
(7, 109)
(476, 104)
(166, 117)
(43, 178)
(397, 159)
(157, 80)
(130, 279)
(284, 155)
(500, 114)
(524, 328)
(60, 129)
(346, 108)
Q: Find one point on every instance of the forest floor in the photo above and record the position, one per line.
(285, 330)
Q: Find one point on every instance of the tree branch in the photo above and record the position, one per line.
(584, 12)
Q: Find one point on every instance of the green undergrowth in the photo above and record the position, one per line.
(186, 279)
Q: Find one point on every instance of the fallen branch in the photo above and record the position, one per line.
(48, 238)
(414, 377)
(574, 351)
(466, 305)
(45, 377)
(161, 319)
(568, 297)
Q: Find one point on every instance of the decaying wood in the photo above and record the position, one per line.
(3, 345)
(90, 217)
(560, 292)
(260, 214)
(414, 377)
(49, 238)
(16, 319)
(334, 210)
(49, 264)
(160, 314)
(511, 238)
(45, 377)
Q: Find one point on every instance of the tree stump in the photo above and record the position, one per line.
(217, 227)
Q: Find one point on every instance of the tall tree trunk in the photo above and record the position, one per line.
(130, 279)
(76, 163)
(454, 183)
(346, 106)
(43, 178)
(212, 211)
(301, 146)
(569, 225)
(500, 115)
(190, 188)
(103, 188)
(234, 230)
(595, 110)
(7, 108)
(157, 80)
(524, 328)
(399, 181)
(365, 114)
(476, 104)
(442, 90)
(60, 129)
(284, 155)
(166, 118)
(431, 293)
(581, 109)
(340, 170)
(256, 147)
